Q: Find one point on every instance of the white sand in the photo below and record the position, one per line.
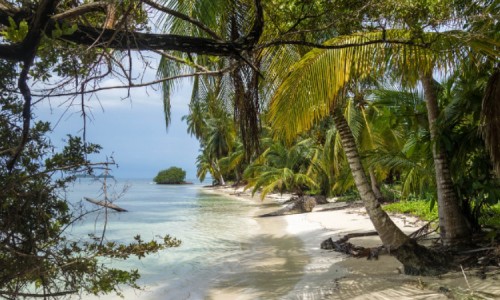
(329, 275)
(352, 278)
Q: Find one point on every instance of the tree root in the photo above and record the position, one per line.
(343, 246)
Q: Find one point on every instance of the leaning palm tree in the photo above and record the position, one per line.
(323, 76)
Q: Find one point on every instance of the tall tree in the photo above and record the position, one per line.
(323, 76)
(327, 73)
(453, 225)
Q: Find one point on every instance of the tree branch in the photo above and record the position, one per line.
(80, 10)
(30, 43)
(120, 40)
(183, 17)
(59, 294)
(143, 84)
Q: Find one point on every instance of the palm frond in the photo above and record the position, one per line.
(314, 84)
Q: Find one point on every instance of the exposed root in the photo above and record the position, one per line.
(343, 246)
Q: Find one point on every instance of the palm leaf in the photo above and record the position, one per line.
(314, 84)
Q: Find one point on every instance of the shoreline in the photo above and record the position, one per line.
(343, 277)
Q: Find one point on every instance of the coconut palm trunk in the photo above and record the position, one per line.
(375, 186)
(453, 226)
(390, 234)
(416, 259)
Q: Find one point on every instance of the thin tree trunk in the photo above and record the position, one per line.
(219, 172)
(375, 186)
(453, 226)
(390, 234)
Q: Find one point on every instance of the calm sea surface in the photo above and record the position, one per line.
(220, 248)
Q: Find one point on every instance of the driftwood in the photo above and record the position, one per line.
(343, 246)
(106, 204)
(297, 205)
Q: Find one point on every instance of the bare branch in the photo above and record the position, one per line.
(143, 84)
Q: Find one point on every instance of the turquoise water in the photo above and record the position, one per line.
(220, 248)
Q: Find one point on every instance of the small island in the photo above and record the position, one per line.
(172, 175)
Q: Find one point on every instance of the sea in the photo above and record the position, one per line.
(221, 254)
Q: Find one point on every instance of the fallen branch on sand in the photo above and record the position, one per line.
(297, 205)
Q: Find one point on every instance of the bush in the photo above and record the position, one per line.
(173, 175)
(418, 208)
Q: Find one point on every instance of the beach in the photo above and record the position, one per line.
(229, 252)
(343, 277)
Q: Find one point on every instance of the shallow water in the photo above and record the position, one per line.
(222, 246)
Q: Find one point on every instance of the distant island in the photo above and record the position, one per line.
(172, 175)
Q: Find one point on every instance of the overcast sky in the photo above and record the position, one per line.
(131, 130)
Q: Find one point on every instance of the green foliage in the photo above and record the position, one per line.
(15, 33)
(282, 169)
(65, 29)
(490, 216)
(37, 257)
(172, 175)
(419, 208)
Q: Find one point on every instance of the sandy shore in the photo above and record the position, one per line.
(329, 275)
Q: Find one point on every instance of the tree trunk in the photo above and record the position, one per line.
(390, 234)
(218, 170)
(375, 186)
(416, 259)
(453, 226)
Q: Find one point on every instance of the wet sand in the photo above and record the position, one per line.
(283, 260)
(330, 275)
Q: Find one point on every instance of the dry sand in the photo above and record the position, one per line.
(328, 275)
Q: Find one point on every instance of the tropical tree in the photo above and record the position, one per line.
(324, 74)
(69, 48)
(461, 97)
(403, 143)
(282, 168)
(234, 82)
(38, 258)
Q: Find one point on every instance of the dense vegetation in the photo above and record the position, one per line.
(172, 175)
(388, 100)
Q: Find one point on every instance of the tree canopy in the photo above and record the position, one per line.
(172, 175)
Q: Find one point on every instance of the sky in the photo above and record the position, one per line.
(131, 130)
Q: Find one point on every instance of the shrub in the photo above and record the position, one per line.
(172, 175)
(418, 208)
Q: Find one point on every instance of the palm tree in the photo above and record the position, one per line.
(453, 225)
(461, 98)
(323, 77)
(282, 168)
(232, 82)
(326, 73)
(403, 143)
